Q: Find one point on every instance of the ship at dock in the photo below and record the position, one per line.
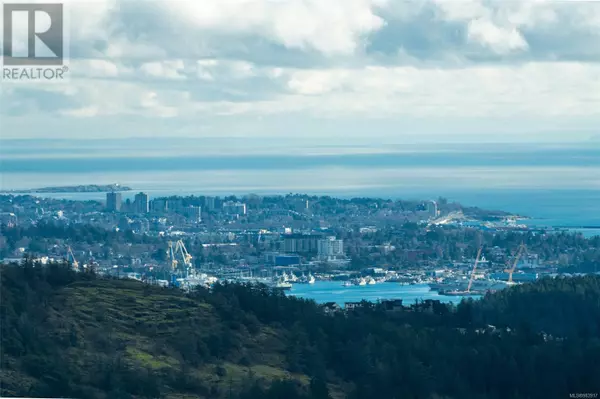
(470, 290)
(306, 279)
(481, 286)
(283, 281)
(492, 283)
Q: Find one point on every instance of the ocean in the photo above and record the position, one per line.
(554, 185)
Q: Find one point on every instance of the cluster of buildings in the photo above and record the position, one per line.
(327, 248)
(229, 231)
(142, 205)
(248, 232)
(8, 219)
(295, 246)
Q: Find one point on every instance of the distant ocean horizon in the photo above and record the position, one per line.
(553, 185)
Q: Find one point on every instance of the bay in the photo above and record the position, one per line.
(333, 291)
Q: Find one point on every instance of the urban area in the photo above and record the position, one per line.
(281, 241)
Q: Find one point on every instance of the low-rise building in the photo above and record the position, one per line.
(234, 208)
(392, 305)
(331, 307)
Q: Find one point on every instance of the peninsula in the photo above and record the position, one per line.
(86, 188)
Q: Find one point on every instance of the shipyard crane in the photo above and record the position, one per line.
(187, 258)
(73, 261)
(474, 269)
(171, 255)
(514, 266)
(178, 248)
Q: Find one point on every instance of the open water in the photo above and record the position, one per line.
(333, 291)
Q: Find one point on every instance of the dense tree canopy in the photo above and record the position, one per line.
(67, 334)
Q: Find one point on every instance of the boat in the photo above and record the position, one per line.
(306, 279)
(448, 286)
(347, 284)
(283, 285)
(282, 282)
(435, 286)
(360, 281)
(469, 291)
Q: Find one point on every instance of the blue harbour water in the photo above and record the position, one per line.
(333, 291)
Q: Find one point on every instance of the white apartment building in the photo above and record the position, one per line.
(330, 248)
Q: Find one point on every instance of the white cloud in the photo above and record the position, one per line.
(85, 112)
(209, 69)
(331, 27)
(530, 89)
(98, 68)
(316, 82)
(500, 40)
(122, 48)
(164, 70)
(88, 20)
(237, 66)
(370, 92)
(467, 10)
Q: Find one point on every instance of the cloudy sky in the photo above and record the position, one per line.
(379, 70)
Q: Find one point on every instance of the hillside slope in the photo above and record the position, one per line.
(75, 335)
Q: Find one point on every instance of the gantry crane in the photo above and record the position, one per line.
(73, 261)
(474, 269)
(174, 250)
(514, 266)
(171, 255)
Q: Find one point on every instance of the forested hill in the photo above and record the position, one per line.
(75, 335)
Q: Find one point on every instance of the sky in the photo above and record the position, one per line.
(321, 71)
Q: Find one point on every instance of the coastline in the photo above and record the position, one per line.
(84, 188)
(554, 213)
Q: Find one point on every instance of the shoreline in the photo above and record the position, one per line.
(79, 189)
